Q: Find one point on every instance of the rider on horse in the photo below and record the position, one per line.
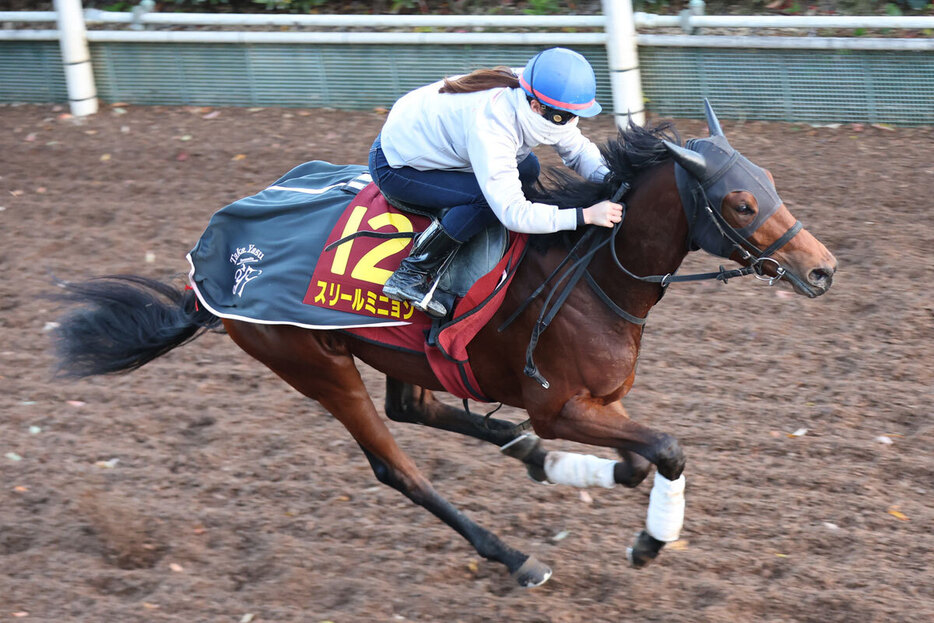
(465, 145)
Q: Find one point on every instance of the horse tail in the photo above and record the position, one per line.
(124, 322)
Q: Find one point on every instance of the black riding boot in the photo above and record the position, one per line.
(416, 278)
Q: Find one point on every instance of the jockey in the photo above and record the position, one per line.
(466, 144)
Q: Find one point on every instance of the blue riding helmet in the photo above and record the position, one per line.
(562, 79)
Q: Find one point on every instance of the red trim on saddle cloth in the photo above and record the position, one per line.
(188, 287)
(449, 359)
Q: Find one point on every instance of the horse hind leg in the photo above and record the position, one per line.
(320, 366)
(528, 571)
(416, 405)
(395, 469)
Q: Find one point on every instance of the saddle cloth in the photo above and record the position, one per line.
(265, 259)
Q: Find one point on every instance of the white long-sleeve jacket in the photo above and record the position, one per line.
(487, 132)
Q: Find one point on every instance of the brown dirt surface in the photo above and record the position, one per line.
(202, 488)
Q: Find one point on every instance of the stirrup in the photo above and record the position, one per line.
(428, 304)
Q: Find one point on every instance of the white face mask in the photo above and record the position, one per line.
(537, 129)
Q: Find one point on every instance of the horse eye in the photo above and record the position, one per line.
(744, 208)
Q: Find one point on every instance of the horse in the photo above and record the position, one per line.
(570, 378)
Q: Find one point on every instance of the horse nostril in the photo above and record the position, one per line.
(820, 278)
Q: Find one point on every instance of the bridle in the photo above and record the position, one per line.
(757, 260)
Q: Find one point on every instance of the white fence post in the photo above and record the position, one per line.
(79, 75)
(623, 59)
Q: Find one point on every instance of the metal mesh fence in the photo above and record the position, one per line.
(334, 76)
(814, 86)
(31, 72)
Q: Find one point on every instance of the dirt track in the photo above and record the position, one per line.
(201, 488)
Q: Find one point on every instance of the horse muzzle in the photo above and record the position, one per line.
(821, 279)
(817, 280)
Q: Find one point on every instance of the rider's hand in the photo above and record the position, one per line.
(605, 214)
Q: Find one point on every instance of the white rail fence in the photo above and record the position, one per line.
(620, 29)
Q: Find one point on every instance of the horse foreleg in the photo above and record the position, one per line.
(413, 404)
(416, 405)
(590, 421)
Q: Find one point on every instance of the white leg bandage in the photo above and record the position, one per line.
(666, 509)
(579, 470)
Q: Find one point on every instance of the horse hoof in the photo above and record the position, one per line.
(644, 550)
(532, 573)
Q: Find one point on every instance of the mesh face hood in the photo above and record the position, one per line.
(727, 171)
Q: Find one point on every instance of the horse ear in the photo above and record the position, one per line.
(693, 162)
(713, 125)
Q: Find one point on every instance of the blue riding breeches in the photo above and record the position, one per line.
(469, 212)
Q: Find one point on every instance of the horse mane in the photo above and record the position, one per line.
(634, 150)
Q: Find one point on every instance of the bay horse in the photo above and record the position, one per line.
(604, 283)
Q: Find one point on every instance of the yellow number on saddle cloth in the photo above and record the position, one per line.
(342, 253)
(366, 269)
(347, 277)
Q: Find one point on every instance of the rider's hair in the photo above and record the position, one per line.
(481, 80)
